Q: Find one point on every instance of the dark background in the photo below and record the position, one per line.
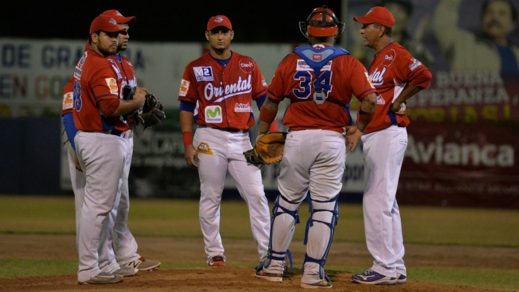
(253, 21)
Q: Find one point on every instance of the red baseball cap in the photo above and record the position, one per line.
(377, 14)
(219, 20)
(104, 23)
(121, 19)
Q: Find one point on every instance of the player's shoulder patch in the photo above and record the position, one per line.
(112, 85)
(68, 101)
(184, 87)
(414, 64)
(203, 73)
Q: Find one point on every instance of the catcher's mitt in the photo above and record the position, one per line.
(268, 149)
(152, 112)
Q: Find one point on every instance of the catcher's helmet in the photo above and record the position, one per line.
(322, 22)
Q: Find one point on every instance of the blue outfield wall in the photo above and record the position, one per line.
(30, 155)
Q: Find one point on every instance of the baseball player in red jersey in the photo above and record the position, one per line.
(77, 177)
(124, 242)
(319, 79)
(102, 145)
(217, 91)
(397, 76)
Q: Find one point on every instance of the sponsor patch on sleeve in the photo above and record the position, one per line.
(414, 64)
(68, 100)
(184, 87)
(112, 85)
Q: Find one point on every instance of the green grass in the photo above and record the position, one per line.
(422, 225)
(484, 278)
(483, 228)
(13, 268)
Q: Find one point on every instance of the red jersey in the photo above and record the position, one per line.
(223, 94)
(390, 71)
(340, 76)
(126, 72)
(98, 79)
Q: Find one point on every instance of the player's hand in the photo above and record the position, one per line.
(398, 107)
(353, 135)
(191, 156)
(77, 164)
(140, 96)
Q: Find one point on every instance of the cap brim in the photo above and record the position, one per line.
(222, 26)
(130, 20)
(363, 19)
(125, 20)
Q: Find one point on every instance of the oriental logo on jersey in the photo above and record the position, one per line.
(226, 91)
(377, 77)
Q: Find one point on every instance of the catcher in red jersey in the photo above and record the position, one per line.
(217, 91)
(319, 80)
(397, 76)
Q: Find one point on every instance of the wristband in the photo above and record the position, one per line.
(188, 138)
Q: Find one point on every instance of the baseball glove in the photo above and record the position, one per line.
(268, 149)
(152, 112)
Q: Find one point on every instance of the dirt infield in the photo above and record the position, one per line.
(238, 274)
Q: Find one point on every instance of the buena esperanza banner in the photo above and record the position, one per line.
(464, 134)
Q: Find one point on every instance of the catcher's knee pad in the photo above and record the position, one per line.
(323, 217)
(284, 219)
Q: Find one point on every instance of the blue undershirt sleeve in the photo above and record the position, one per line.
(70, 129)
(187, 106)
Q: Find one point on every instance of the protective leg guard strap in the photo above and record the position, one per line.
(282, 207)
(322, 206)
(326, 213)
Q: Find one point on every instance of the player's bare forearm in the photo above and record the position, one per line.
(409, 91)
(186, 121)
(352, 137)
(367, 108)
(186, 127)
(128, 106)
(267, 115)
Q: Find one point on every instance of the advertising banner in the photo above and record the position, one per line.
(464, 134)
